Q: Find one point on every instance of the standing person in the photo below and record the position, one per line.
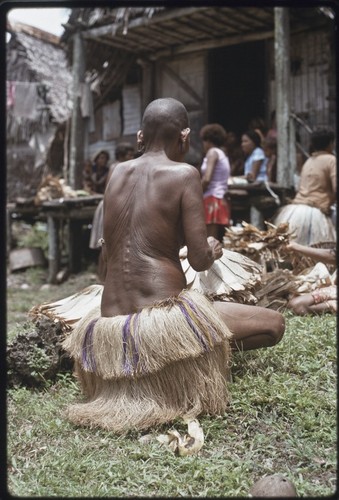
(269, 147)
(257, 124)
(309, 214)
(255, 164)
(155, 351)
(272, 132)
(87, 183)
(95, 180)
(255, 170)
(234, 154)
(123, 152)
(215, 172)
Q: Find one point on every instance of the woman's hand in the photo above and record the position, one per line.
(216, 247)
(293, 247)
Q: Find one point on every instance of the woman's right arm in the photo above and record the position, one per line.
(201, 252)
(325, 255)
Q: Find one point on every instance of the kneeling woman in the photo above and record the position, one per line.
(153, 351)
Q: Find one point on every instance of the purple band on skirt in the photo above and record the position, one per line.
(130, 360)
(203, 317)
(191, 324)
(88, 360)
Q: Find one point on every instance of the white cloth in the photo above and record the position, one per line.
(256, 155)
(309, 224)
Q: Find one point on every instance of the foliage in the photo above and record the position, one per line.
(35, 236)
(282, 419)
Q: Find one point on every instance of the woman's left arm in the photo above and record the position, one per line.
(253, 174)
(212, 158)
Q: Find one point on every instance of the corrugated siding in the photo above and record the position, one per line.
(111, 121)
(310, 93)
(131, 109)
(190, 69)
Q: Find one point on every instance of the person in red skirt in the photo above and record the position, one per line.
(215, 171)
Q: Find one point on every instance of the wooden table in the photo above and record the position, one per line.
(23, 212)
(74, 211)
(241, 197)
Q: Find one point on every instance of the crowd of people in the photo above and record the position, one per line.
(154, 350)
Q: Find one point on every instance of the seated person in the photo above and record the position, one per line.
(270, 151)
(155, 351)
(255, 164)
(309, 213)
(322, 299)
(123, 152)
(95, 176)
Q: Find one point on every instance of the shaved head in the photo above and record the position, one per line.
(163, 121)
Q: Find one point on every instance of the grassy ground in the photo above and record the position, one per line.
(282, 419)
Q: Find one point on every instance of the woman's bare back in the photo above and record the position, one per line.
(152, 206)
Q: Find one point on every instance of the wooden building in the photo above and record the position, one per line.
(221, 62)
(39, 103)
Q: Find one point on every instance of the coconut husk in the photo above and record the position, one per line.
(35, 356)
(276, 289)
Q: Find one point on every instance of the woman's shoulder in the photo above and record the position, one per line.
(258, 154)
(218, 151)
(323, 158)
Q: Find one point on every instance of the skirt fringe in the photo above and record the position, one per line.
(309, 225)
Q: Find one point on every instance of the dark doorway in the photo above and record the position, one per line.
(237, 85)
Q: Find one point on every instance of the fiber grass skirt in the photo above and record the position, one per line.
(309, 224)
(167, 361)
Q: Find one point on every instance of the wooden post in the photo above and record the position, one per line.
(74, 245)
(292, 149)
(282, 85)
(77, 122)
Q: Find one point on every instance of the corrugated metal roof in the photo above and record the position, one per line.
(160, 31)
(116, 38)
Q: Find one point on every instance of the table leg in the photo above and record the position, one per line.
(75, 246)
(53, 248)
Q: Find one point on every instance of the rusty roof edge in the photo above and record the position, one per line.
(18, 27)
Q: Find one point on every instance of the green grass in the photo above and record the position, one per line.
(282, 419)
